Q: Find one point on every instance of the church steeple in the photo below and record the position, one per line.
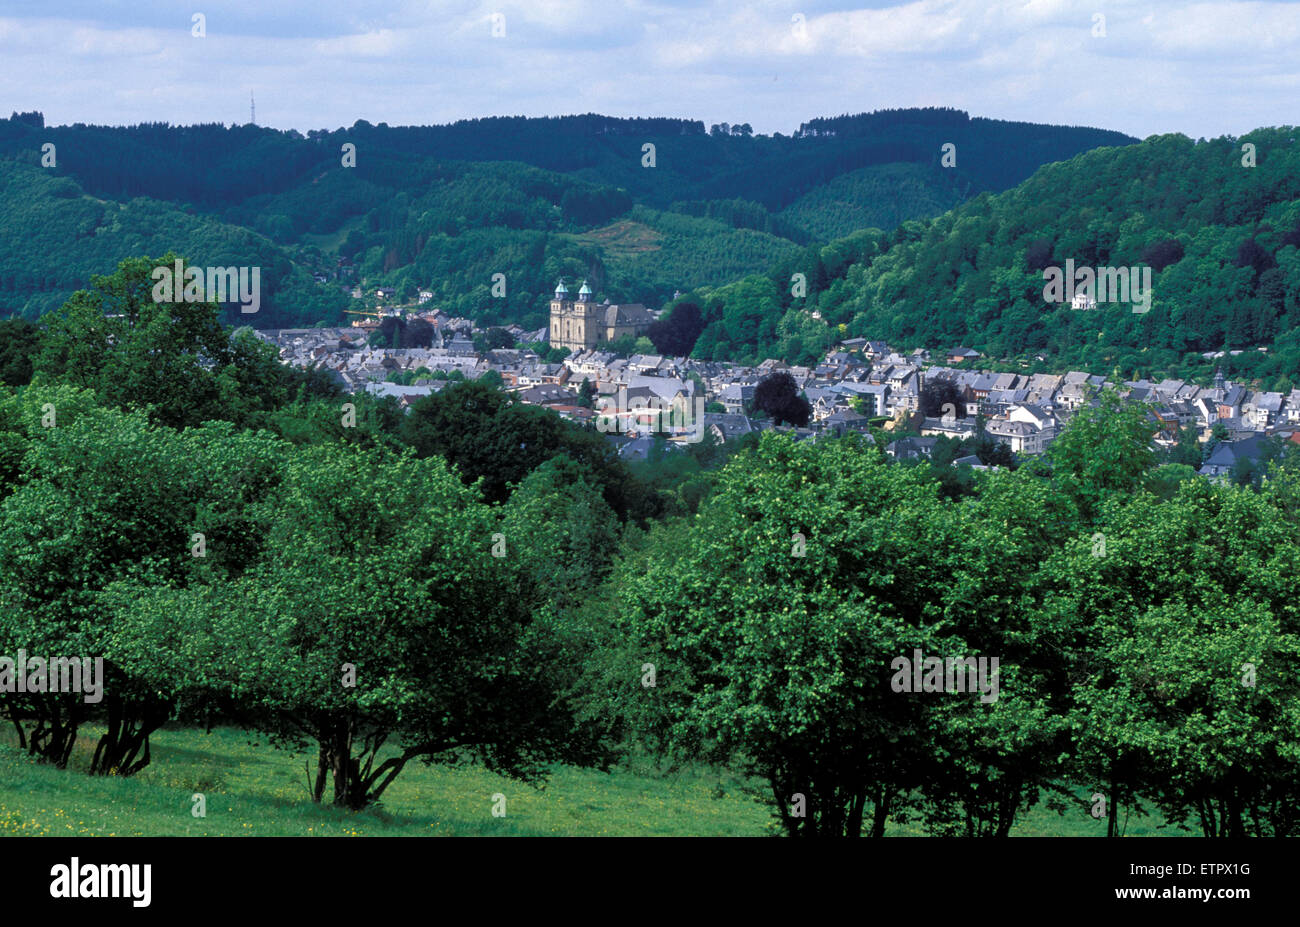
(561, 291)
(584, 293)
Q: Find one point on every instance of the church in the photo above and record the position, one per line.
(582, 324)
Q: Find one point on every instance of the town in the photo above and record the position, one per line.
(857, 384)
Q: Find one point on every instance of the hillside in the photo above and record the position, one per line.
(447, 207)
(1222, 241)
(882, 196)
(53, 236)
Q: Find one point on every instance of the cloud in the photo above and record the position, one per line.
(1204, 68)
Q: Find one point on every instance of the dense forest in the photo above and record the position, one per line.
(53, 236)
(1217, 222)
(641, 207)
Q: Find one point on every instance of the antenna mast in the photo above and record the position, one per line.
(252, 109)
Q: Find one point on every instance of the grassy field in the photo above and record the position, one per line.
(253, 789)
(623, 239)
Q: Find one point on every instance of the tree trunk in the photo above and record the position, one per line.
(1112, 807)
(854, 826)
(1205, 809)
(880, 813)
(349, 789)
(52, 738)
(782, 797)
(1233, 825)
(22, 735)
(322, 773)
(127, 734)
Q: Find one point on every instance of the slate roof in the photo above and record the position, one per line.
(1227, 453)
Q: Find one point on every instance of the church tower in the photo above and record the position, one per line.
(557, 313)
(574, 323)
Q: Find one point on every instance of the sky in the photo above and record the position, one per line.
(1143, 67)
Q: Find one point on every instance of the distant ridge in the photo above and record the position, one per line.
(443, 208)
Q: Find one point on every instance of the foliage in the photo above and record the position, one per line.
(1104, 453)
(172, 358)
(449, 207)
(1183, 646)
(778, 396)
(107, 496)
(941, 397)
(489, 435)
(19, 341)
(676, 333)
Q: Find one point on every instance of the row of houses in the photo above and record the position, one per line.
(857, 381)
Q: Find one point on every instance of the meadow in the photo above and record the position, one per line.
(254, 789)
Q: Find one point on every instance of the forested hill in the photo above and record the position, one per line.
(1222, 239)
(445, 207)
(991, 153)
(53, 236)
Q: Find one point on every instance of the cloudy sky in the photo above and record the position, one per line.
(1202, 68)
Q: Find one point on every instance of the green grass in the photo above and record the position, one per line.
(1041, 821)
(623, 239)
(253, 789)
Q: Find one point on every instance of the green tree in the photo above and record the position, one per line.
(778, 396)
(20, 341)
(1185, 657)
(562, 526)
(388, 611)
(1105, 450)
(486, 433)
(772, 631)
(173, 358)
(1163, 481)
(493, 339)
(1188, 449)
(135, 352)
(106, 496)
